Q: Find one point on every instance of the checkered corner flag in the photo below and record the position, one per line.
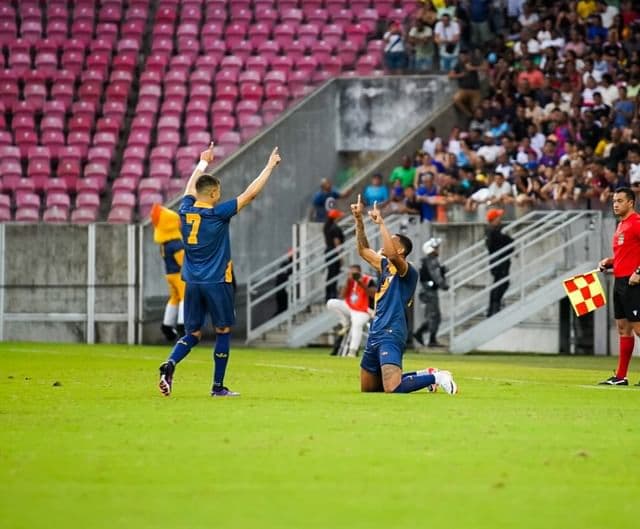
(585, 292)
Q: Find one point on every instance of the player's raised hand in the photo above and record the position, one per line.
(274, 159)
(374, 214)
(207, 156)
(356, 209)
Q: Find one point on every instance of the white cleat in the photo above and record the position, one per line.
(444, 379)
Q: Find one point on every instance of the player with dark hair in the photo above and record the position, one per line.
(207, 268)
(626, 270)
(381, 366)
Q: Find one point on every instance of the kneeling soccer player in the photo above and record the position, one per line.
(381, 366)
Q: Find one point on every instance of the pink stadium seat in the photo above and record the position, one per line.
(134, 153)
(269, 49)
(222, 106)
(341, 17)
(123, 198)
(291, 15)
(176, 185)
(125, 61)
(242, 49)
(279, 92)
(307, 64)
(27, 199)
(197, 106)
(55, 109)
(196, 122)
(248, 122)
(332, 66)
(315, 14)
(10, 153)
(163, 153)
(308, 34)
(109, 124)
(247, 107)
(235, 32)
(105, 139)
(94, 184)
(250, 76)
(257, 63)
(222, 123)
(58, 199)
(27, 214)
(124, 184)
(147, 201)
(228, 92)
(251, 91)
(89, 199)
(120, 215)
(333, 34)
(169, 137)
(161, 170)
(357, 33)
(299, 81)
(5, 214)
(140, 138)
(272, 109)
(5, 201)
(200, 138)
(294, 50)
(181, 64)
(25, 139)
(276, 77)
(348, 51)
(321, 76)
(266, 14)
(84, 215)
(150, 185)
(225, 77)
(55, 185)
(284, 33)
(283, 64)
(129, 172)
(56, 215)
(367, 64)
(229, 138)
(46, 63)
(96, 170)
(172, 107)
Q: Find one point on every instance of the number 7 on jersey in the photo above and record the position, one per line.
(193, 219)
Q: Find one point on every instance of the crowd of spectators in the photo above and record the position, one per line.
(550, 96)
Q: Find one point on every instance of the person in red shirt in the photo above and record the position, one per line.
(626, 270)
(353, 308)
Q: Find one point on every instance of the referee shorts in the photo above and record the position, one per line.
(626, 300)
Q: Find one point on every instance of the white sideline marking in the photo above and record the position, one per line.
(298, 368)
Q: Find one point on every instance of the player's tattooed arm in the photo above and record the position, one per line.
(369, 255)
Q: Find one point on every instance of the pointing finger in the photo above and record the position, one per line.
(358, 199)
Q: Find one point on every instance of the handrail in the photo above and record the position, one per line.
(465, 307)
(309, 259)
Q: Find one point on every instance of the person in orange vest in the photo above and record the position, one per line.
(353, 307)
(166, 233)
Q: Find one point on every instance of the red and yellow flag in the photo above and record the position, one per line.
(585, 292)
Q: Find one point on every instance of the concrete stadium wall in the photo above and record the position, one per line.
(47, 283)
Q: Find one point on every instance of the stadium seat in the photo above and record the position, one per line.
(123, 198)
(27, 214)
(5, 214)
(247, 107)
(84, 215)
(120, 215)
(56, 215)
(88, 199)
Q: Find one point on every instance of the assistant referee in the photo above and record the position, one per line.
(626, 270)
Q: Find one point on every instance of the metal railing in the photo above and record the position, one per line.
(306, 264)
(545, 244)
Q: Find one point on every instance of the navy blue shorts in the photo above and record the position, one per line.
(378, 352)
(215, 300)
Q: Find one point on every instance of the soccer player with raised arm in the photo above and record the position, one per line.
(381, 366)
(207, 268)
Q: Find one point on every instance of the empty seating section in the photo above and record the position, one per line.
(66, 73)
(216, 70)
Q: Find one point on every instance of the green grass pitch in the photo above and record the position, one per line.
(528, 442)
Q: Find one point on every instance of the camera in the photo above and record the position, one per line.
(356, 276)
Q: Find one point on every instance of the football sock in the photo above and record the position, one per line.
(170, 315)
(182, 348)
(626, 350)
(220, 358)
(414, 381)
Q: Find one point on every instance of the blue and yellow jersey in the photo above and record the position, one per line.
(205, 233)
(394, 295)
(172, 254)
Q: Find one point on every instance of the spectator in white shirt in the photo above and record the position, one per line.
(447, 36)
(528, 17)
(489, 151)
(395, 54)
(431, 142)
